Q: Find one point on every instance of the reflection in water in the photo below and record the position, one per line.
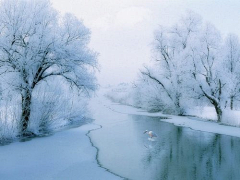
(182, 153)
(178, 153)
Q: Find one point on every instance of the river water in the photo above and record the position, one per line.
(177, 153)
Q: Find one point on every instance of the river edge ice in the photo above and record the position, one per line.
(68, 154)
(194, 123)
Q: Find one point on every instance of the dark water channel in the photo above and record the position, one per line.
(179, 153)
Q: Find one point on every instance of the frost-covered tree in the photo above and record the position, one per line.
(206, 67)
(194, 65)
(231, 64)
(38, 45)
(169, 70)
(147, 95)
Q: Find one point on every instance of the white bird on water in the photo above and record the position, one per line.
(150, 133)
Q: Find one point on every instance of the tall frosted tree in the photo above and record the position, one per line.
(169, 63)
(206, 67)
(38, 45)
(194, 65)
(231, 64)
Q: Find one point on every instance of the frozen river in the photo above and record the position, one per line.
(178, 153)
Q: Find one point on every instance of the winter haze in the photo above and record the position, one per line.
(119, 89)
(122, 30)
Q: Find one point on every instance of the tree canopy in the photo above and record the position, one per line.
(37, 45)
(193, 63)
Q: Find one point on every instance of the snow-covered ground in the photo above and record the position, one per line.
(124, 94)
(206, 120)
(185, 121)
(66, 155)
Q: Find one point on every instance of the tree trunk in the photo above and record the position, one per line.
(26, 110)
(180, 110)
(231, 102)
(218, 111)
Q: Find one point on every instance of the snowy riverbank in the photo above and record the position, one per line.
(65, 155)
(185, 121)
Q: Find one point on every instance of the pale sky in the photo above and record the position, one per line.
(122, 30)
